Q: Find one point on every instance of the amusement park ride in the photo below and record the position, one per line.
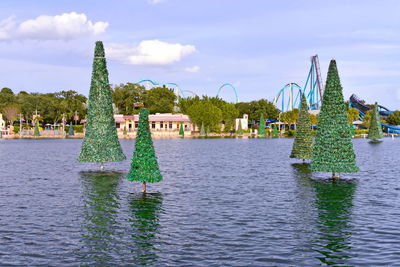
(313, 90)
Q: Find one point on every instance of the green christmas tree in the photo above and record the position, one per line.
(303, 142)
(124, 132)
(375, 128)
(333, 149)
(202, 130)
(261, 128)
(36, 130)
(101, 142)
(71, 130)
(181, 131)
(144, 166)
(240, 129)
(275, 131)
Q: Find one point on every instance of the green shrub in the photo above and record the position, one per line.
(16, 129)
(361, 132)
(290, 133)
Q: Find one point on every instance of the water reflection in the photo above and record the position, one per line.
(101, 205)
(334, 203)
(145, 210)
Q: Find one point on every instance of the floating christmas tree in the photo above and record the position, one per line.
(181, 131)
(36, 131)
(375, 128)
(71, 130)
(333, 149)
(100, 143)
(275, 131)
(144, 166)
(240, 129)
(303, 142)
(202, 130)
(261, 128)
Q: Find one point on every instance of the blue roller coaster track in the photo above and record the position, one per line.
(146, 83)
(232, 87)
(358, 104)
(313, 90)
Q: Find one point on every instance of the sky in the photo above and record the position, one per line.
(256, 45)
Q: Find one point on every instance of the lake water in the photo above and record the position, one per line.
(223, 202)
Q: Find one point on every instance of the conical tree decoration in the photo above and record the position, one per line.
(36, 131)
(240, 129)
(375, 128)
(101, 142)
(181, 131)
(333, 149)
(144, 166)
(303, 142)
(202, 129)
(261, 128)
(275, 131)
(71, 130)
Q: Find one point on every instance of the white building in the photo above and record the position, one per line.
(167, 123)
(244, 121)
(2, 123)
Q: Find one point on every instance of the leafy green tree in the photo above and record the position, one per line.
(144, 166)
(261, 127)
(255, 108)
(229, 115)
(125, 96)
(375, 129)
(11, 112)
(7, 97)
(100, 143)
(394, 118)
(352, 115)
(313, 119)
(333, 149)
(160, 100)
(303, 142)
(181, 131)
(207, 113)
(367, 118)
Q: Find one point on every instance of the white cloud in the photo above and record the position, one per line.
(192, 69)
(66, 26)
(155, 2)
(149, 52)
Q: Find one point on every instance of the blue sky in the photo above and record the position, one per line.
(259, 46)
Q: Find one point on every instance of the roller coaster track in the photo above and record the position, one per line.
(358, 104)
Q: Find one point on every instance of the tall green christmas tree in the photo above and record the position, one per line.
(71, 130)
(202, 130)
(144, 166)
(275, 131)
(303, 142)
(181, 131)
(36, 131)
(375, 128)
(101, 142)
(240, 129)
(261, 128)
(333, 149)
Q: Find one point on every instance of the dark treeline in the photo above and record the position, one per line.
(127, 99)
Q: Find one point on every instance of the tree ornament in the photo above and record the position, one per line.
(36, 131)
(261, 128)
(202, 130)
(240, 129)
(333, 148)
(100, 143)
(375, 129)
(181, 131)
(71, 130)
(144, 166)
(303, 141)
